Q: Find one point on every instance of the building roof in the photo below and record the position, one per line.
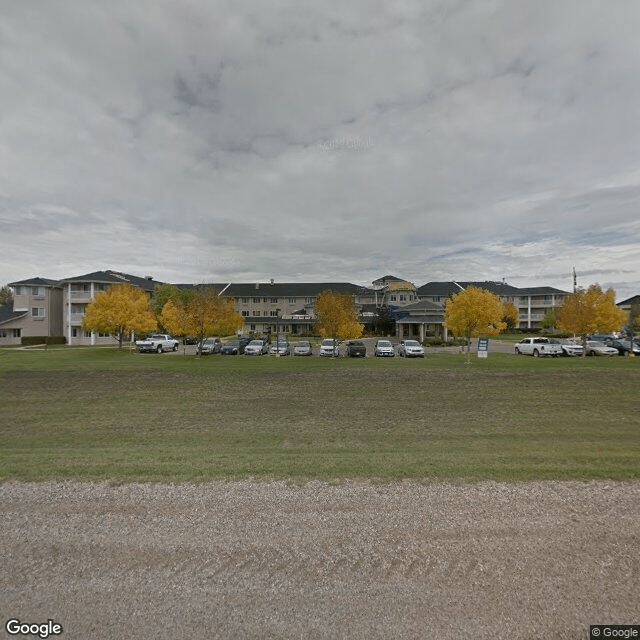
(290, 289)
(388, 279)
(502, 289)
(115, 277)
(548, 291)
(7, 314)
(41, 282)
(630, 301)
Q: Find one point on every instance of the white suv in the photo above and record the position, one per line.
(329, 347)
(384, 348)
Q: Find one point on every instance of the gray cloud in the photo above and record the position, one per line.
(434, 140)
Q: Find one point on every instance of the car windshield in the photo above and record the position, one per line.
(328, 342)
(303, 343)
(357, 343)
(256, 343)
(384, 343)
(596, 343)
(232, 344)
(411, 343)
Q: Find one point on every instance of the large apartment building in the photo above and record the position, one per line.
(44, 307)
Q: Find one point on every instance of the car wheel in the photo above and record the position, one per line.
(517, 351)
(159, 349)
(175, 347)
(591, 353)
(536, 353)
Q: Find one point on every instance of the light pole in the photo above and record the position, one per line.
(277, 333)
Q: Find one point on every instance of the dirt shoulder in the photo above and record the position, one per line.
(267, 560)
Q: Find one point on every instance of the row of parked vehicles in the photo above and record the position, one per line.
(328, 348)
(252, 346)
(596, 345)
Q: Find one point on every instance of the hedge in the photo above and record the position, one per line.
(33, 340)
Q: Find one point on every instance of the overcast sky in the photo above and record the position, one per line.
(215, 141)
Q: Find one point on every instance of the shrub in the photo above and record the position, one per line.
(33, 340)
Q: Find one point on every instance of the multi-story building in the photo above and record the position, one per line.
(285, 306)
(80, 290)
(36, 311)
(532, 303)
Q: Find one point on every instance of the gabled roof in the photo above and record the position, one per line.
(115, 277)
(389, 279)
(425, 306)
(41, 282)
(7, 313)
(632, 300)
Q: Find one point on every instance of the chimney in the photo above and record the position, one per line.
(257, 285)
(271, 280)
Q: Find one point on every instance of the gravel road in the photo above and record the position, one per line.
(268, 560)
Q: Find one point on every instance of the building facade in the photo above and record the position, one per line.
(36, 311)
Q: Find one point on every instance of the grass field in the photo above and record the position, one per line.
(101, 414)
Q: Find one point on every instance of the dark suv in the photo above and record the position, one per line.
(356, 349)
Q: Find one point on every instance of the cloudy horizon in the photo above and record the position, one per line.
(432, 140)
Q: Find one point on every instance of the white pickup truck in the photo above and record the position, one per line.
(537, 347)
(157, 342)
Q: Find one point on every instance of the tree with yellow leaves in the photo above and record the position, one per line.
(510, 315)
(337, 316)
(201, 313)
(474, 312)
(590, 311)
(119, 310)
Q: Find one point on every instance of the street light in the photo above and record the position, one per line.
(277, 333)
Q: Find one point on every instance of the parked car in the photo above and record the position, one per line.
(281, 347)
(303, 348)
(210, 345)
(157, 342)
(234, 348)
(356, 349)
(329, 348)
(569, 347)
(410, 349)
(538, 347)
(256, 348)
(189, 340)
(623, 346)
(597, 348)
(383, 348)
(601, 337)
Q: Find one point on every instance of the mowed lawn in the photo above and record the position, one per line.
(100, 414)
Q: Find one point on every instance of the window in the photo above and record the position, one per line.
(16, 333)
(101, 286)
(19, 290)
(80, 289)
(87, 334)
(273, 313)
(37, 291)
(256, 301)
(292, 300)
(253, 327)
(74, 332)
(245, 300)
(274, 300)
(256, 313)
(265, 299)
(245, 314)
(37, 312)
(308, 300)
(77, 308)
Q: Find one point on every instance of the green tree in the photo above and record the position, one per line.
(550, 318)
(6, 295)
(119, 310)
(201, 313)
(590, 311)
(337, 316)
(474, 312)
